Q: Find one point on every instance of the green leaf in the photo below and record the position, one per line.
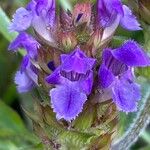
(10, 122)
(4, 23)
(12, 129)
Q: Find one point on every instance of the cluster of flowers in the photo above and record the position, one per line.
(79, 73)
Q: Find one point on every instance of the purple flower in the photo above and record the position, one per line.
(73, 80)
(40, 14)
(27, 42)
(111, 13)
(26, 78)
(116, 73)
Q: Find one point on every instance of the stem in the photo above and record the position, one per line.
(138, 125)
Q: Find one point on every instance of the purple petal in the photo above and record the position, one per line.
(129, 21)
(132, 54)
(46, 9)
(109, 31)
(21, 20)
(55, 77)
(32, 72)
(126, 95)
(44, 18)
(41, 6)
(108, 11)
(27, 42)
(24, 63)
(87, 83)
(23, 82)
(42, 28)
(106, 77)
(67, 101)
(112, 64)
(77, 62)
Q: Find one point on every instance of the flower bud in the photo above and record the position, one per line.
(82, 14)
(68, 41)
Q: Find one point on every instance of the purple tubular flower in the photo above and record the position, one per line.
(111, 13)
(26, 78)
(40, 14)
(73, 80)
(116, 73)
(27, 42)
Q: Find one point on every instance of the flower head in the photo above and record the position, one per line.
(56, 51)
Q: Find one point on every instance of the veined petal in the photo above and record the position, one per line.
(112, 64)
(126, 94)
(67, 101)
(131, 54)
(129, 21)
(23, 82)
(21, 20)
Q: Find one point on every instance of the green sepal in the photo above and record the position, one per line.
(85, 120)
(75, 140)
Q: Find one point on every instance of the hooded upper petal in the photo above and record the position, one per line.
(112, 12)
(67, 101)
(44, 17)
(131, 54)
(46, 9)
(77, 62)
(129, 21)
(108, 11)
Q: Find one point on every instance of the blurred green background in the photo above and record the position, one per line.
(15, 128)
